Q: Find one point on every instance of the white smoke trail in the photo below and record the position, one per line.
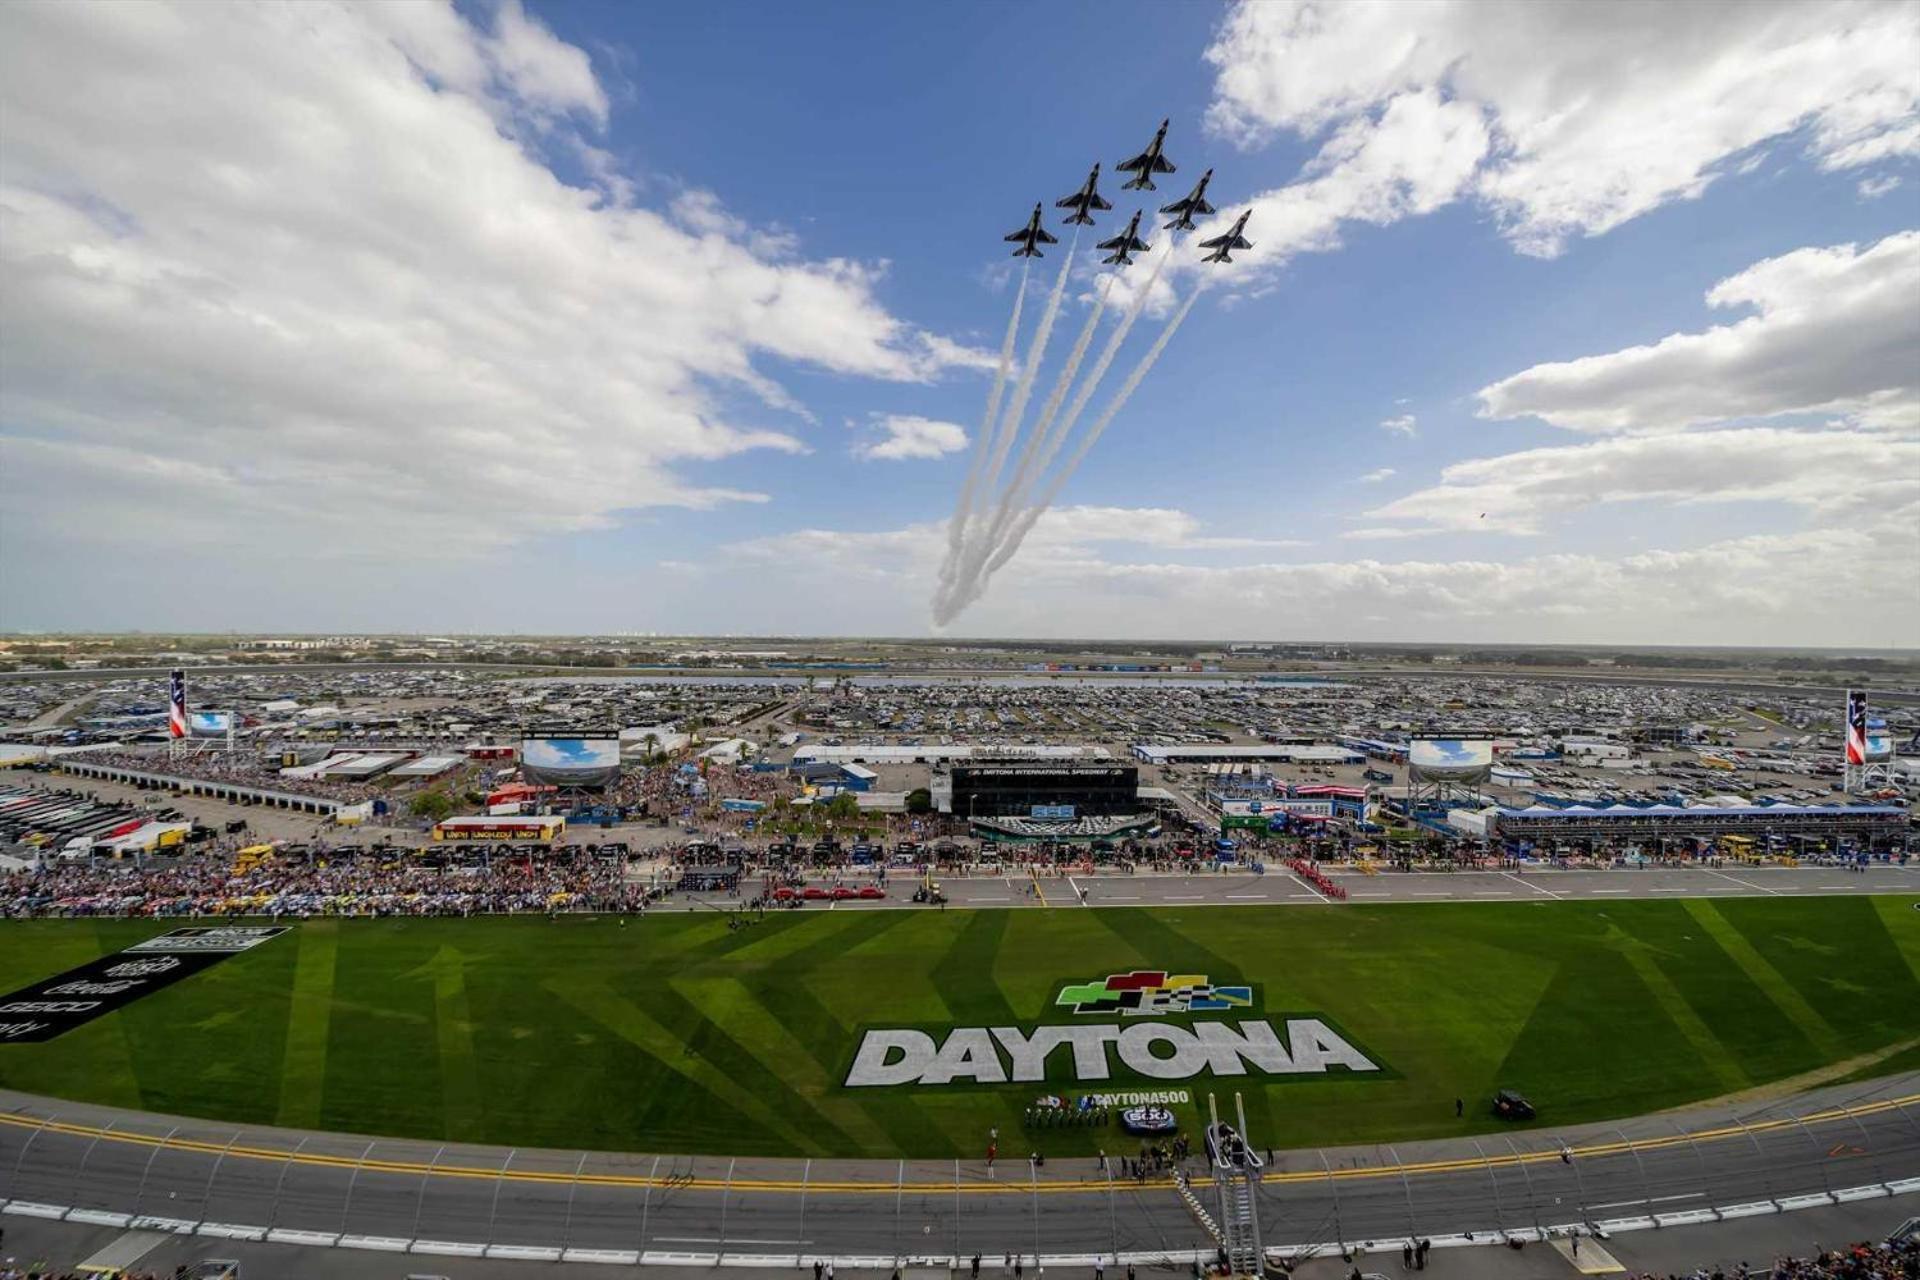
(1044, 440)
(971, 553)
(963, 510)
(1033, 513)
(1023, 390)
(1081, 397)
(989, 419)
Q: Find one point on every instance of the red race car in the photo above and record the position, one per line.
(872, 891)
(814, 891)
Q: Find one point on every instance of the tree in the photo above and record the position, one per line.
(841, 806)
(920, 800)
(433, 804)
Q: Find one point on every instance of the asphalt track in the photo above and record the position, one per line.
(107, 1167)
(1279, 887)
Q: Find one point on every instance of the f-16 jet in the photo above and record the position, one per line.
(1232, 240)
(1029, 236)
(1084, 200)
(1125, 243)
(1147, 163)
(1195, 203)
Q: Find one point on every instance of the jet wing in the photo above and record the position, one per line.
(1137, 164)
(1162, 165)
(1095, 202)
(1018, 235)
(1041, 234)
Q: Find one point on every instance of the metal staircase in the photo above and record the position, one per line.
(1236, 1172)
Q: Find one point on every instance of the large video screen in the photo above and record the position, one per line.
(1451, 759)
(208, 724)
(571, 762)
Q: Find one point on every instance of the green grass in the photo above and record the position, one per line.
(678, 1035)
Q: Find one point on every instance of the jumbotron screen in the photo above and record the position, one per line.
(570, 761)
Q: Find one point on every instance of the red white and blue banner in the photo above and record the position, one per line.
(177, 705)
(1856, 726)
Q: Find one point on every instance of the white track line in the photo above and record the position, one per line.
(1520, 880)
(1743, 883)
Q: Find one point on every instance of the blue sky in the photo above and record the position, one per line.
(580, 317)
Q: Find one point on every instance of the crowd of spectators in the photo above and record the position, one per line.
(364, 885)
(1867, 1260)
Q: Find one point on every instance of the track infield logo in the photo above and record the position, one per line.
(1150, 993)
(1083, 1052)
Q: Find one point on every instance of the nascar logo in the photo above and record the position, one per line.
(1151, 993)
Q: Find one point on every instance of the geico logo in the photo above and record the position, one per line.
(1160, 1051)
(142, 968)
(84, 988)
(14, 1030)
(49, 1006)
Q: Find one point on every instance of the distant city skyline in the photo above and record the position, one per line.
(1564, 324)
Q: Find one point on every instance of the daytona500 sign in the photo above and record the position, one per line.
(1156, 1050)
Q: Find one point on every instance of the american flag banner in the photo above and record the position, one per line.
(177, 705)
(1856, 726)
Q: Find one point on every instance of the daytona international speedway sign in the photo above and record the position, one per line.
(1156, 1050)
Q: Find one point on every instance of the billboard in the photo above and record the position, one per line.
(209, 724)
(1856, 743)
(1052, 812)
(571, 761)
(1451, 759)
(1879, 745)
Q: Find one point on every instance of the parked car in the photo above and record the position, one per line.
(1509, 1105)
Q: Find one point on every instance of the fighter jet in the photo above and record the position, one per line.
(1195, 203)
(1125, 243)
(1232, 240)
(1147, 163)
(1030, 235)
(1083, 200)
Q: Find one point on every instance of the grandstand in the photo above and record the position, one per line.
(1582, 822)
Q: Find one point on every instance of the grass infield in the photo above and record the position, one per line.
(678, 1035)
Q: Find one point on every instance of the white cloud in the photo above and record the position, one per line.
(1834, 330)
(1874, 188)
(1404, 424)
(1595, 113)
(1800, 588)
(905, 436)
(304, 267)
(1833, 475)
(1375, 477)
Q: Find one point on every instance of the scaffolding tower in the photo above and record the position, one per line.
(1236, 1176)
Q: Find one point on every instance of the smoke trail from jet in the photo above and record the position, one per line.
(964, 559)
(1023, 390)
(1045, 437)
(1033, 513)
(1065, 428)
(963, 510)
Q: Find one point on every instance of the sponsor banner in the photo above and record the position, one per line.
(177, 704)
(57, 1005)
(1052, 812)
(1856, 726)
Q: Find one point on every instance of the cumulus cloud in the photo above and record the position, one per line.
(1874, 188)
(1833, 330)
(1799, 588)
(308, 268)
(903, 436)
(1589, 114)
(1404, 424)
(1833, 475)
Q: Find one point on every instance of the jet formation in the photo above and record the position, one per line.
(1085, 202)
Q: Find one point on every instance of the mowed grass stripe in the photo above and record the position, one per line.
(737, 1010)
(303, 1060)
(963, 977)
(460, 1095)
(1785, 996)
(1726, 1069)
(1900, 917)
(673, 1053)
